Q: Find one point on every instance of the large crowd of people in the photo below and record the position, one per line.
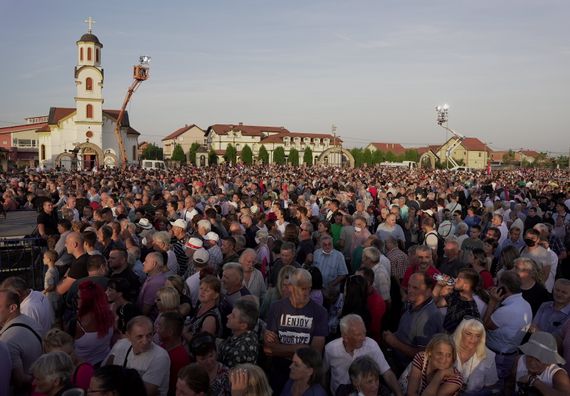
(261, 280)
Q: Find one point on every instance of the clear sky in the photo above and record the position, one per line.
(376, 69)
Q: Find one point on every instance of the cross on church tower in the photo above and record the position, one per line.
(90, 22)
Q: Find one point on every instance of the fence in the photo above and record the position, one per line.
(22, 257)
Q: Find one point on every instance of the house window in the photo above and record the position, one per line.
(89, 84)
(479, 155)
(89, 54)
(89, 111)
(81, 53)
(43, 152)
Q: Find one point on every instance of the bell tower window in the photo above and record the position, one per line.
(43, 152)
(89, 111)
(81, 53)
(89, 54)
(89, 84)
(97, 55)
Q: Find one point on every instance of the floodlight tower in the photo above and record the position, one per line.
(442, 120)
(140, 74)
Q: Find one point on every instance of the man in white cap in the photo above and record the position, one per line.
(178, 232)
(200, 261)
(211, 240)
(190, 247)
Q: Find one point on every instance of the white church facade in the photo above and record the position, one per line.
(83, 137)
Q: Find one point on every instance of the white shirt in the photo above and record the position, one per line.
(152, 365)
(478, 373)
(553, 262)
(512, 318)
(193, 283)
(338, 360)
(37, 306)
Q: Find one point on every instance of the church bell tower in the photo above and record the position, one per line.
(89, 85)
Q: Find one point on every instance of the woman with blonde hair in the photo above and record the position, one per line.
(475, 361)
(57, 340)
(249, 380)
(177, 283)
(167, 300)
(432, 372)
(277, 293)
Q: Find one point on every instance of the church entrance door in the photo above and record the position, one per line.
(89, 161)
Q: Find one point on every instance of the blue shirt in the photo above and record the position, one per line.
(549, 319)
(331, 265)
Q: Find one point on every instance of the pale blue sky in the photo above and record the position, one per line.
(376, 69)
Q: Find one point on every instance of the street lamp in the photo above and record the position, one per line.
(442, 114)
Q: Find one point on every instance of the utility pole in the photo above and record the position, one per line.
(333, 130)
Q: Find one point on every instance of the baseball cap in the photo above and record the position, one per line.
(179, 223)
(201, 256)
(194, 243)
(211, 236)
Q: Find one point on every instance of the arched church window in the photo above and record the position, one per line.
(43, 152)
(89, 54)
(97, 55)
(81, 53)
(89, 111)
(134, 153)
(89, 84)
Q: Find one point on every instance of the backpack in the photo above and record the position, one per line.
(440, 244)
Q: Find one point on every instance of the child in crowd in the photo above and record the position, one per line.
(51, 279)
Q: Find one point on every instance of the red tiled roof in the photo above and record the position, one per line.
(395, 148)
(498, 155)
(246, 130)
(132, 131)
(45, 128)
(58, 113)
(180, 131)
(21, 127)
(474, 144)
(529, 153)
(433, 148)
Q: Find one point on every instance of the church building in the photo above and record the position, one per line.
(83, 137)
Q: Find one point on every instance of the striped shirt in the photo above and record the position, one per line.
(422, 365)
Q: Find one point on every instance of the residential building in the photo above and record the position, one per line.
(185, 137)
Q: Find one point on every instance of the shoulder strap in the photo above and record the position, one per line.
(127, 356)
(27, 327)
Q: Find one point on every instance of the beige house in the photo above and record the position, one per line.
(471, 152)
(394, 148)
(185, 137)
(326, 148)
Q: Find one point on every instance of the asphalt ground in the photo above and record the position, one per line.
(18, 224)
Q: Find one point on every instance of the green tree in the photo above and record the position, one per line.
(263, 155)
(308, 156)
(192, 152)
(378, 157)
(231, 154)
(357, 154)
(294, 157)
(390, 156)
(509, 157)
(178, 154)
(279, 156)
(212, 157)
(411, 155)
(246, 155)
(367, 156)
(152, 152)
